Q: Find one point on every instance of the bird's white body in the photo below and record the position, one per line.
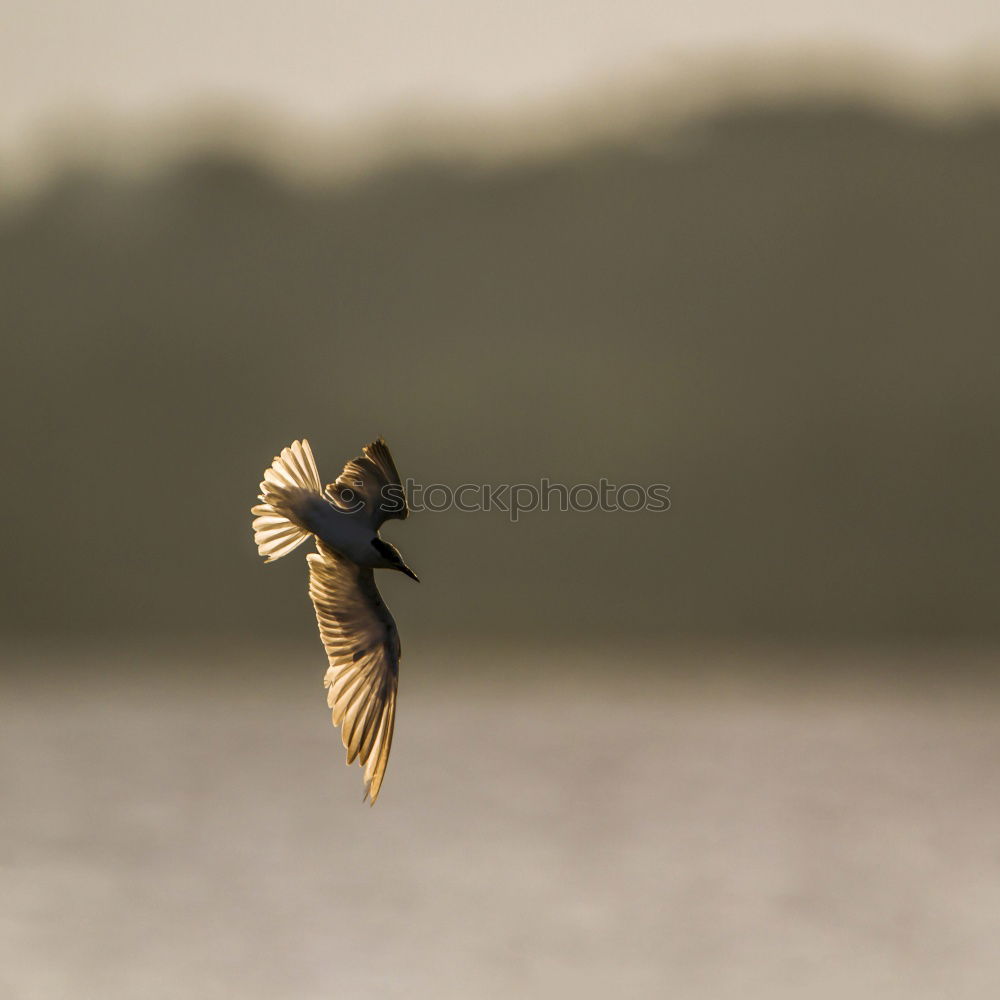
(347, 532)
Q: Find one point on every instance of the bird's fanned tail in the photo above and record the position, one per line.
(291, 480)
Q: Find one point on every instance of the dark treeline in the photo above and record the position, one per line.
(791, 317)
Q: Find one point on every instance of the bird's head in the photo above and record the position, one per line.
(391, 557)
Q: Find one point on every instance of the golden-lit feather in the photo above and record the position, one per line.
(293, 472)
(371, 481)
(363, 649)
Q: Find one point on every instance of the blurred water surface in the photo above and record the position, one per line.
(703, 824)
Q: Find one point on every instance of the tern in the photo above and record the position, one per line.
(358, 632)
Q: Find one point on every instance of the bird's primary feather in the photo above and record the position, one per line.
(362, 645)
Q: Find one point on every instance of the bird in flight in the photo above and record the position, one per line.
(358, 632)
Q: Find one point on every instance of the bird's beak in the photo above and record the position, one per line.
(409, 572)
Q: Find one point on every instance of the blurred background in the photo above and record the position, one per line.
(744, 747)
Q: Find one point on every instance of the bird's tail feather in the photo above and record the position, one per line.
(277, 525)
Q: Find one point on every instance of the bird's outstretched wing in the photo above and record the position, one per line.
(362, 645)
(371, 481)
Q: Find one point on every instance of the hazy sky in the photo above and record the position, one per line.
(335, 61)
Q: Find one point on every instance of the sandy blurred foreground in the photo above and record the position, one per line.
(707, 828)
